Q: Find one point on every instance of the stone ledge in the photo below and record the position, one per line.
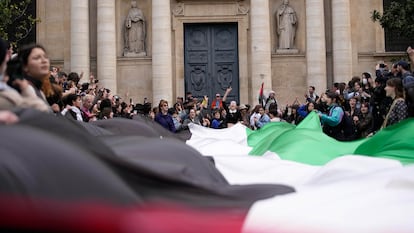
(382, 54)
(287, 51)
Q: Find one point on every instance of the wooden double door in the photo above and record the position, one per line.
(211, 59)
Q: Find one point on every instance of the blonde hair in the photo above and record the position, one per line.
(162, 102)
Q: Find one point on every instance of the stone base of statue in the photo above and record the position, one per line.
(133, 54)
(287, 51)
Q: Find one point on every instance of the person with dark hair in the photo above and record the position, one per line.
(192, 118)
(217, 122)
(403, 68)
(305, 109)
(331, 121)
(311, 95)
(62, 78)
(178, 106)
(367, 86)
(379, 102)
(72, 110)
(74, 77)
(408, 84)
(291, 114)
(364, 121)
(105, 108)
(17, 92)
(258, 118)
(398, 110)
(176, 119)
(188, 103)
(36, 67)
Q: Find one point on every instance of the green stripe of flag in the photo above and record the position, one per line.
(306, 143)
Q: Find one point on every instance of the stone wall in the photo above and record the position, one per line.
(289, 76)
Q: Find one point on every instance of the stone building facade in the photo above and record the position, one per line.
(207, 45)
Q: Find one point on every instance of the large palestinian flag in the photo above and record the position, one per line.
(124, 175)
(360, 186)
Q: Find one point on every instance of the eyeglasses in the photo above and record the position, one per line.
(165, 105)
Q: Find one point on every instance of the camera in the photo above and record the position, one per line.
(382, 65)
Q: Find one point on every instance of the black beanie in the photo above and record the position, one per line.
(3, 50)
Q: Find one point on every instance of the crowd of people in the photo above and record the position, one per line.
(348, 111)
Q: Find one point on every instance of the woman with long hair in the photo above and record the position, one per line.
(398, 110)
(36, 67)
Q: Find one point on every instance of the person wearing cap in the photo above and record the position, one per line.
(271, 99)
(244, 114)
(404, 68)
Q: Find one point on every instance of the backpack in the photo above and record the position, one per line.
(344, 131)
(347, 127)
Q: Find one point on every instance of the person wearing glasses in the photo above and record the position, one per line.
(217, 103)
(163, 117)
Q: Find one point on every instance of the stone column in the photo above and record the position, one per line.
(162, 86)
(261, 55)
(79, 38)
(106, 45)
(316, 45)
(341, 40)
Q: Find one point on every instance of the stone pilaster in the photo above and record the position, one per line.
(261, 54)
(161, 52)
(106, 44)
(316, 45)
(79, 37)
(341, 40)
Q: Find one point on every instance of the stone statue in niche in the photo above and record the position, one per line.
(135, 32)
(286, 23)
